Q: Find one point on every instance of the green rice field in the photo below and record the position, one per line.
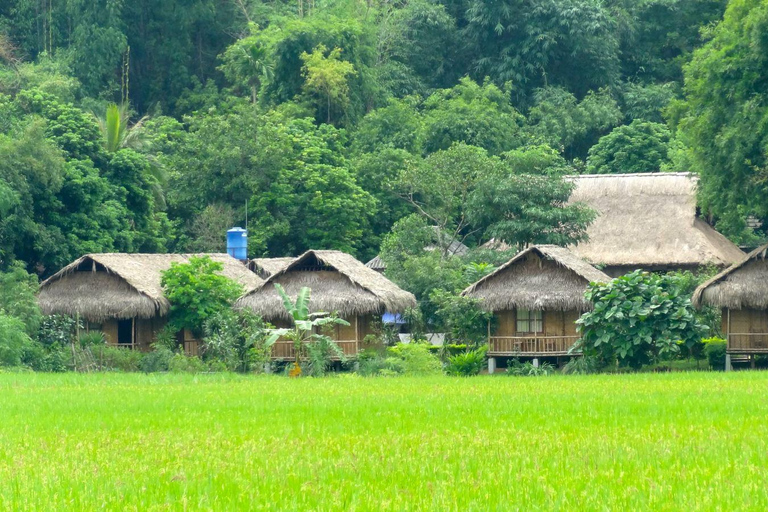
(685, 441)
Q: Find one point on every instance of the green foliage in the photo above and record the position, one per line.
(637, 319)
(584, 365)
(326, 83)
(13, 340)
(197, 292)
(467, 364)
(157, 360)
(527, 369)
(476, 115)
(635, 148)
(524, 201)
(413, 359)
(239, 339)
(18, 291)
(723, 117)
(461, 318)
(559, 120)
(715, 348)
(56, 330)
(111, 358)
(320, 355)
(535, 42)
(306, 331)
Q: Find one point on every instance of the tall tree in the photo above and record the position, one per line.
(725, 117)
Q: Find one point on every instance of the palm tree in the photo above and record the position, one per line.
(305, 325)
(116, 133)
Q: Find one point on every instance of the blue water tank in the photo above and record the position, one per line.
(237, 243)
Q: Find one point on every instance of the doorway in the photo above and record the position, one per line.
(125, 332)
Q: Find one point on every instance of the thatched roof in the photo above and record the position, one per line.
(741, 286)
(540, 277)
(455, 248)
(339, 284)
(112, 285)
(647, 221)
(377, 264)
(265, 267)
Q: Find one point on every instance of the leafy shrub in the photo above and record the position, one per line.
(320, 354)
(13, 340)
(583, 365)
(117, 358)
(180, 363)
(370, 363)
(166, 337)
(715, 349)
(527, 369)
(637, 319)
(467, 364)
(197, 291)
(413, 359)
(158, 360)
(88, 339)
(42, 359)
(17, 296)
(238, 339)
(56, 330)
(461, 318)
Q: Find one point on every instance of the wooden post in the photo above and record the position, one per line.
(489, 334)
(357, 334)
(133, 333)
(728, 329)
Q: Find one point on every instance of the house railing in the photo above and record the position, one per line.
(283, 349)
(530, 345)
(748, 342)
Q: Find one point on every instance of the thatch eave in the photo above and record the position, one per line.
(346, 287)
(543, 277)
(743, 285)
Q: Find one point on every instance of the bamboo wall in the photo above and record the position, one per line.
(556, 323)
(746, 329)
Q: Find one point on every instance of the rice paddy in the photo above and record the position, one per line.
(687, 441)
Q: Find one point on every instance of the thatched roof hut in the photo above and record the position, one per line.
(265, 267)
(648, 221)
(741, 286)
(98, 287)
(339, 284)
(542, 277)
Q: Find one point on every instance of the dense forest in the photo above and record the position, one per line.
(361, 125)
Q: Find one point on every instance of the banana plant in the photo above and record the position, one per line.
(305, 324)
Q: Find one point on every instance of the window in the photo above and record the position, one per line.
(529, 321)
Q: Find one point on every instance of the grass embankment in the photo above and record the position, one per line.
(157, 442)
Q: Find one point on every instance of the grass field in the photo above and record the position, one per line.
(220, 442)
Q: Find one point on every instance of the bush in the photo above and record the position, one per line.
(158, 360)
(238, 339)
(40, 359)
(180, 363)
(13, 340)
(467, 364)
(583, 365)
(56, 330)
(197, 291)
(92, 338)
(638, 319)
(320, 354)
(117, 358)
(413, 359)
(715, 349)
(370, 363)
(527, 369)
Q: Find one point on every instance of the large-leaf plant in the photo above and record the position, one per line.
(307, 327)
